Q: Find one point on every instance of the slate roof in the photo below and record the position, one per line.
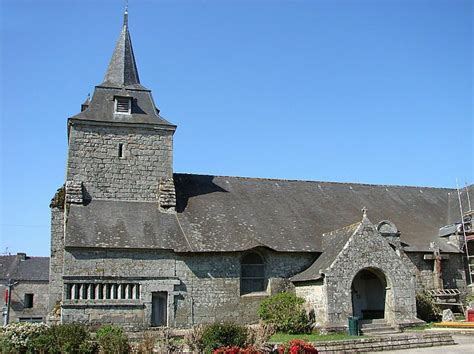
(221, 214)
(338, 240)
(112, 224)
(122, 79)
(31, 268)
(122, 70)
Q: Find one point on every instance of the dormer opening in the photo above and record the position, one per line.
(123, 105)
(86, 103)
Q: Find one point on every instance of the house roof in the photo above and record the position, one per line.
(220, 214)
(22, 267)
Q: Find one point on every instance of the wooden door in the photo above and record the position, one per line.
(159, 309)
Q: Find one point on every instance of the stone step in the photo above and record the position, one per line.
(379, 329)
(377, 320)
(375, 325)
(387, 332)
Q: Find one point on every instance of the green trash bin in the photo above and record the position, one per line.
(353, 326)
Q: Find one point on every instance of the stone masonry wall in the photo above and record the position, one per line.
(40, 300)
(57, 257)
(454, 275)
(367, 249)
(94, 160)
(315, 295)
(202, 288)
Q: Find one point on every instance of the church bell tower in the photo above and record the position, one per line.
(120, 147)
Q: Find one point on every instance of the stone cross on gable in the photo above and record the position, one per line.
(437, 259)
(364, 212)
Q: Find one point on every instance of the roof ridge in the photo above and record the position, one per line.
(314, 181)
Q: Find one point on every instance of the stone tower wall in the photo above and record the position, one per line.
(94, 159)
(56, 261)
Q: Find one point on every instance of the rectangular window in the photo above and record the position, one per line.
(98, 291)
(120, 150)
(28, 303)
(31, 319)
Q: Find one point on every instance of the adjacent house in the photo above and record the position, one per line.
(28, 292)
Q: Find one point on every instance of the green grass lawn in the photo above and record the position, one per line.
(311, 337)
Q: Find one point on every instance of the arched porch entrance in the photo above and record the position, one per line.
(368, 294)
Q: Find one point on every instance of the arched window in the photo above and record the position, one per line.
(252, 274)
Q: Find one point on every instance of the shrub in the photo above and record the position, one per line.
(18, 337)
(111, 339)
(44, 343)
(147, 344)
(297, 346)
(426, 309)
(219, 335)
(39, 338)
(71, 338)
(285, 312)
(259, 335)
(193, 339)
(167, 343)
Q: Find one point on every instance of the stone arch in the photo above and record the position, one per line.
(386, 227)
(371, 294)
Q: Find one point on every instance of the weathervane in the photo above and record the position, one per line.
(125, 14)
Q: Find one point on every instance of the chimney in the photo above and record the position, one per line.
(21, 256)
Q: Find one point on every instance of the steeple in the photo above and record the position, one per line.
(122, 70)
(120, 98)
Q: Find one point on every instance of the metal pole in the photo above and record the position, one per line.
(464, 234)
(9, 301)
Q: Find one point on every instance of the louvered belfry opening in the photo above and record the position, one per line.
(123, 105)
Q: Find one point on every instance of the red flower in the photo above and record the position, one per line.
(297, 346)
(236, 350)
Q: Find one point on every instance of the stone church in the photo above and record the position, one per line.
(137, 245)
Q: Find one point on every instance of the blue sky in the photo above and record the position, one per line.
(354, 91)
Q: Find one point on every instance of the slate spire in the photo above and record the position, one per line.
(122, 70)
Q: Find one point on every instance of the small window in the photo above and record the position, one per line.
(252, 275)
(120, 150)
(28, 303)
(123, 105)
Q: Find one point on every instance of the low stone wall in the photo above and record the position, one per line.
(396, 342)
